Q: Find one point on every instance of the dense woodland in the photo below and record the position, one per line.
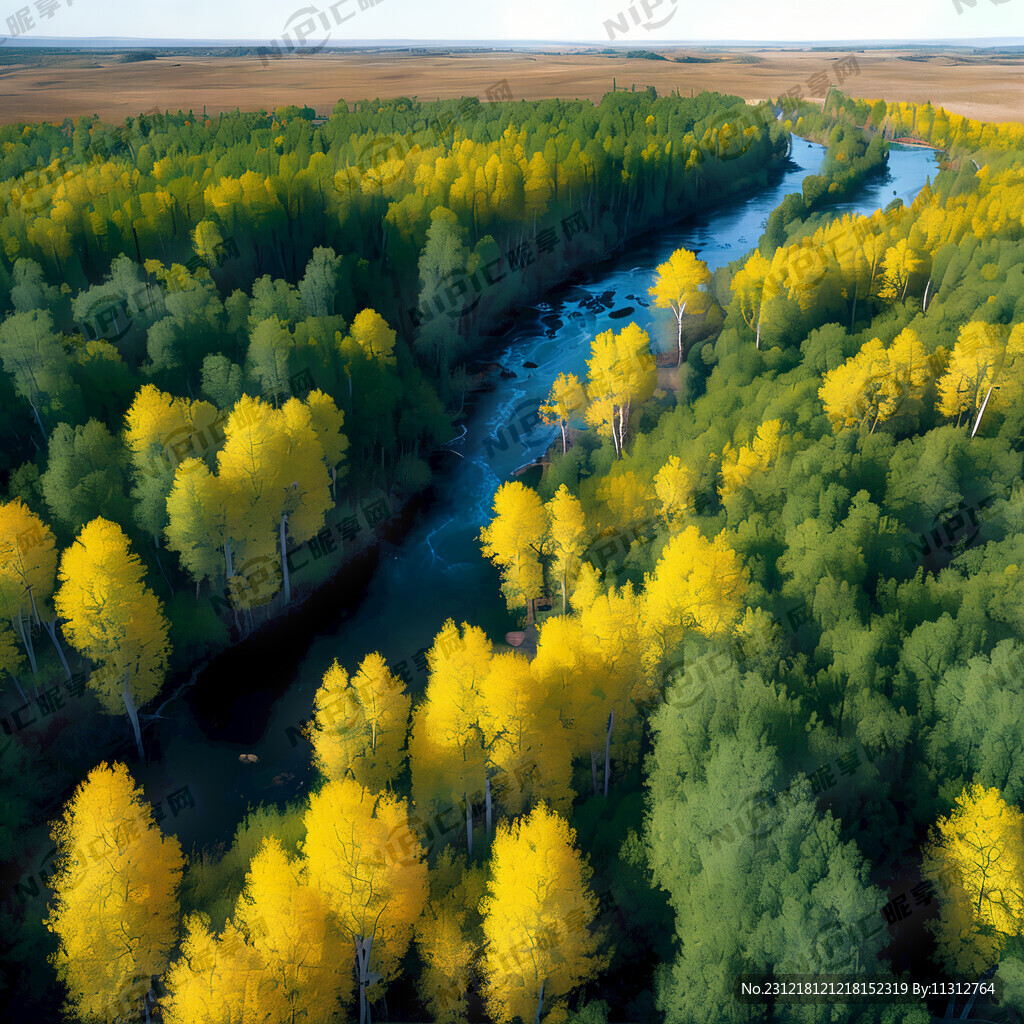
(778, 685)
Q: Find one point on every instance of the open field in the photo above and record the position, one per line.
(54, 86)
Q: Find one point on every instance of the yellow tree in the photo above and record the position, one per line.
(152, 423)
(561, 666)
(855, 389)
(537, 918)
(674, 486)
(620, 371)
(986, 367)
(115, 909)
(697, 584)
(636, 371)
(446, 750)
(28, 567)
(250, 467)
(11, 659)
(738, 465)
(626, 497)
(568, 532)
(160, 432)
(113, 618)
(590, 666)
(978, 854)
(197, 522)
(216, 979)
(526, 744)
(328, 421)
(515, 541)
(374, 899)
(446, 936)
(370, 331)
(604, 388)
(681, 282)
(304, 480)
(614, 678)
(898, 265)
(299, 952)
(208, 241)
(360, 724)
(866, 261)
(910, 373)
(751, 285)
(566, 398)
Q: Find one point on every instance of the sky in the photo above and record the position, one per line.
(654, 21)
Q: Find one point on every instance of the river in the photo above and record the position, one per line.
(437, 571)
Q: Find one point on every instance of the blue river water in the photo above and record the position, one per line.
(437, 570)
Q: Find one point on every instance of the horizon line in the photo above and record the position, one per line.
(179, 43)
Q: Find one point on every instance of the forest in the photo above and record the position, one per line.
(773, 709)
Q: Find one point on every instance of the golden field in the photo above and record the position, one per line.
(52, 87)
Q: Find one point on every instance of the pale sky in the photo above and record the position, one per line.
(524, 20)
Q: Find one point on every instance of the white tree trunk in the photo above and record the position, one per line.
(26, 639)
(981, 411)
(51, 628)
(284, 560)
(607, 750)
(133, 715)
(39, 422)
(363, 947)
(679, 339)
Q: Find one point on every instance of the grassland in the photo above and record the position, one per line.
(53, 85)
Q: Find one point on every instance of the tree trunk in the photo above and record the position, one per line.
(160, 564)
(981, 411)
(540, 1002)
(39, 423)
(133, 715)
(487, 802)
(284, 560)
(679, 339)
(363, 947)
(564, 446)
(469, 826)
(924, 305)
(51, 628)
(26, 640)
(607, 751)
(757, 340)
